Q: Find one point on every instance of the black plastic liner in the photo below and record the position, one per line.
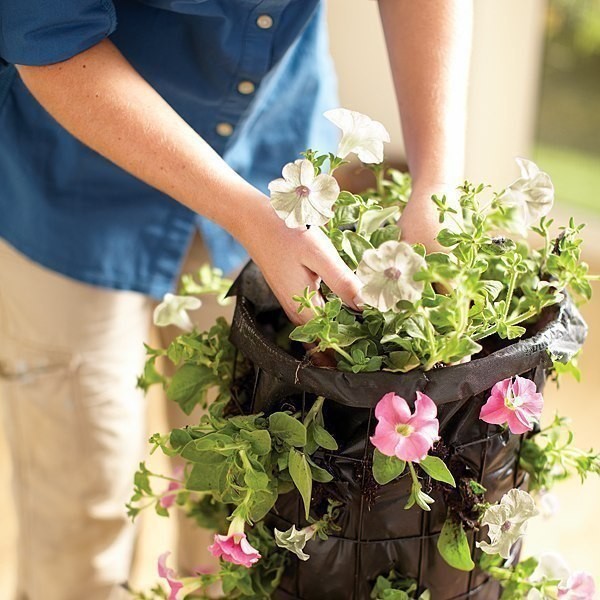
(377, 534)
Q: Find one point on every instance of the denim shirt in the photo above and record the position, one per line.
(252, 77)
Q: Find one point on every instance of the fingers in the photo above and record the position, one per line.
(323, 260)
(292, 283)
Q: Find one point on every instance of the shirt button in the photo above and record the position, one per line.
(265, 21)
(245, 87)
(224, 129)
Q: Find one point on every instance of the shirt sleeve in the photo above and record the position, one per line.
(42, 32)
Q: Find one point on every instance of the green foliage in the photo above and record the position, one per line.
(203, 361)
(491, 285)
(207, 280)
(515, 579)
(156, 593)
(386, 468)
(436, 469)
(550, 456)
(144, 495)
(453, 545)
(237, 465)
(559, 369)
(395, 587)
(301, 476)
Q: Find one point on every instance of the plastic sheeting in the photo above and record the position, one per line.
(377, 534)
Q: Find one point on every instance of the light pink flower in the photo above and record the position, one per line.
(580, 586)
(168, 500)
(402, 434)
(234, 547)
(169, 574)
(516, 403)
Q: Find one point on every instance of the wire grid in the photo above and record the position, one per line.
(424, 533)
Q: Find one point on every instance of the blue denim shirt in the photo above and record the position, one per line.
(257, 69)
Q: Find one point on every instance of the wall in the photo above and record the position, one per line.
(504, 81)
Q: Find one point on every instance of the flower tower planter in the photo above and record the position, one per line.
(377, 535)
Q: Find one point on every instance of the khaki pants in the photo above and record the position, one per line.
(69, 357)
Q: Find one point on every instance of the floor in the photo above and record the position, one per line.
(574, 531)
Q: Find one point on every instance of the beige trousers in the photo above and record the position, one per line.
(69, 357)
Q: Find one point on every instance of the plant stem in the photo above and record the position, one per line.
(413, 474)
(514, 321)
(379, 174)
(342, 352)
(510, 291)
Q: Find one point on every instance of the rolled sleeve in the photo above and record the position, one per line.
(42, 32)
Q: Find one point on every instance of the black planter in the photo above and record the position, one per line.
(377, 533)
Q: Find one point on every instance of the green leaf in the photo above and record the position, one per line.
(209, 449)
(301, 476)
(402, 361)
(453, 545)
(260, 441)
(318, 474)
(448, 238)
(385, 234)
(476, 487)
(208, 478)
(323, 437)
(355, 245)
(256, 480)
(374, 218)
(514, 331)
(386, 468)
(179, 438)
(436, 469)
(141, 479)
(262, 502)
(189, 386)
(287, 429)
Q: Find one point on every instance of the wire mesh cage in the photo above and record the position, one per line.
(376, 533)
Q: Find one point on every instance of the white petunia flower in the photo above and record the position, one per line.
(294, 540)
(507, 521)
(387, 274)
(548, 504)
(532, 195)
(300, 198)
(360, 135)
(173, 311)
(551, 566)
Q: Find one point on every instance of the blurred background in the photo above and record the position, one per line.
(535, 92)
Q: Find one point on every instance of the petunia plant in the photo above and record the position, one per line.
(403, 439)
(419, 310)
(426, 310)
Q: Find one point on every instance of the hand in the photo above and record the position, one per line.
(293, 259)
(420, 222)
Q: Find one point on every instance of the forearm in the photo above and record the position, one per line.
(101, 100)
(429, 44)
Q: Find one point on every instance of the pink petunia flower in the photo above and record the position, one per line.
(579, 586)
(169, 574)
(234, 547)
(402, 434)
(168, 500)
(516, 403)
(179, 587)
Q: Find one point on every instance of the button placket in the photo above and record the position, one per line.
(253, 66)
(246, 87)
(265, 21)
(224, 129)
